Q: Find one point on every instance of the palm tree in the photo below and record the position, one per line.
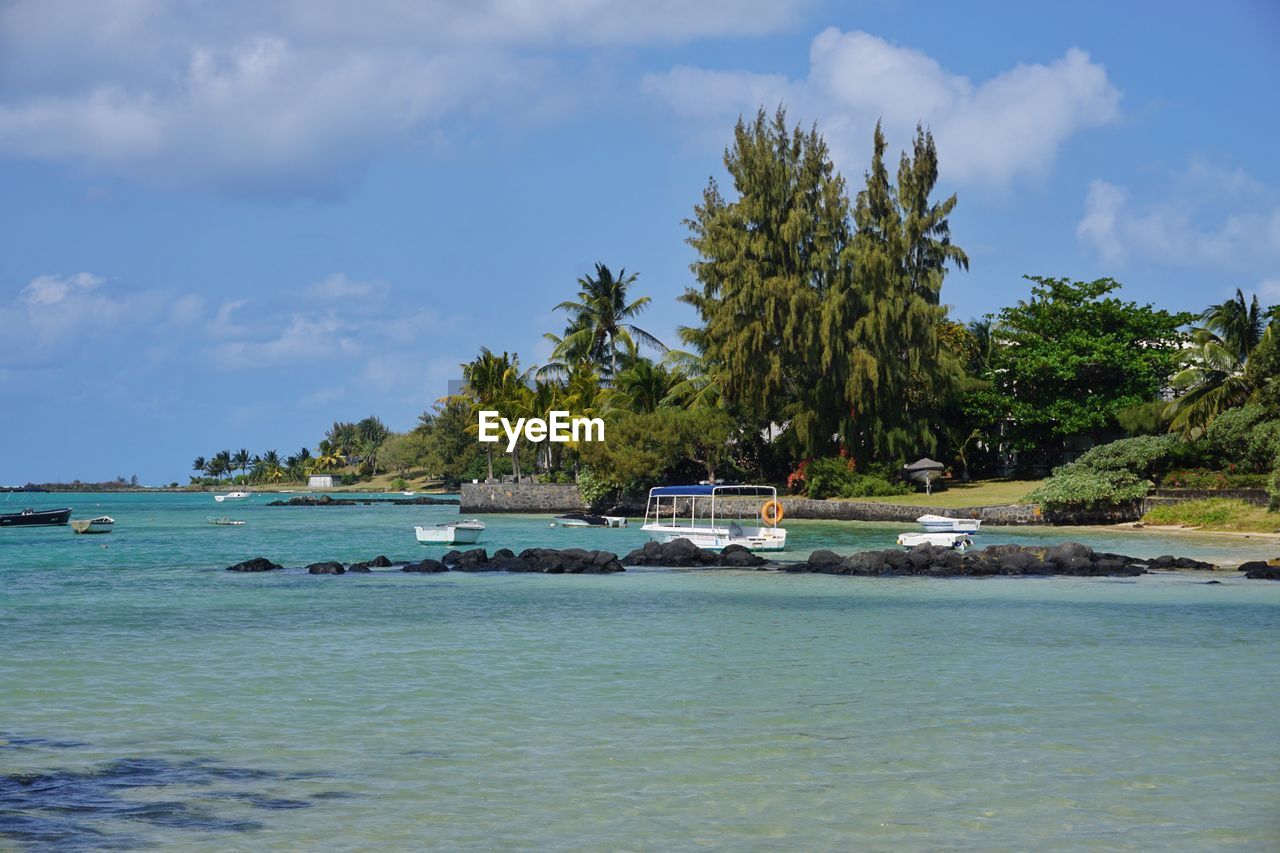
(489, 383)
(695, 384)
(1215, 379)
(199, 465)
(329, 455)
(598, 320)
(223, 461)
(271, 467)
(641, 387)
(240, 460)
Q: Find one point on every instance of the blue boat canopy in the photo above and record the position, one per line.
(681, 491)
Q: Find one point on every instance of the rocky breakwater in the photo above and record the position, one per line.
(683, 554)
(1069, 558)
(548, 561)
(328, 500)
(1262, 571)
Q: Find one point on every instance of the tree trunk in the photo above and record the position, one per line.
(488, 453)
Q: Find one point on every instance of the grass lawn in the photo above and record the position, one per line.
(978, 493)
(1216, 514)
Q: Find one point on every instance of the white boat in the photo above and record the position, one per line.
(942, 524)
(101, 524)
(231, 496)
(957, 541)
(451, 533)
(672, 512)
(408, 494)
(223, 521)
(586, 519)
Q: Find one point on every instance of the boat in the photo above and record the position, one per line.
(408, 494)
(231, 496)
(924, 472)
(942, 524)
(586, 519)
(955, 541)
(35, 517)
(101, 524)
(672, 512)
(463, 532)
(225, 522)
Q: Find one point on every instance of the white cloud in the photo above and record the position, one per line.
(1204, 217)
(306, 338)
(1008, 126)
(339, 288)
(295, 98)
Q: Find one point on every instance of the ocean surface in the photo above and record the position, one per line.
(150, 698)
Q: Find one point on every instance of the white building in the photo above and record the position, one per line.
(320, 481)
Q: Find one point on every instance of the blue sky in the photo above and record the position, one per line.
(227, 225)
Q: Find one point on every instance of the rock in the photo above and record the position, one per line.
(740, 559)
(1212, 583)
(427, 565)
(256, 564)
(1258, 570)
(503, 554)
(380, 562)
(326, 568)
(1165, 561)
(823, 560)
(1060, 554)
(1198, 565)
(362, 568)
(474, 560)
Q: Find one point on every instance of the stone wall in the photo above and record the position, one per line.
(525, 497)
(1258, 497)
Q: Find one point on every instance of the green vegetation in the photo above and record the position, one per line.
(995, 492)
(1216, 513)
(822, 356)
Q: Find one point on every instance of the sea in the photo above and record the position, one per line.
(149, 698)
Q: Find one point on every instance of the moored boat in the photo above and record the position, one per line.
(463, 532)
(672, 512)
(101, 524)
(955, 541)
(223, 521)
(587, 519)
(943, 524)
(35, 517)
(231, 496)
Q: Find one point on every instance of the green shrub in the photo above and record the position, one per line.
(399, 484)
(1246, 437)
(1220, 513)
(833, 477)
(1273, 490)
(593, 488)
(1143, 455)
(1205, 478)
(1077, 485)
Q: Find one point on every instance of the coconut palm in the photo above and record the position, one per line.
(489, 384)
(329, 455)
(599, 320)
(641, 387)
(272, 470)
(240, 460)
(1215, 380)
(199, 465)
(696, 386)
(222, 459)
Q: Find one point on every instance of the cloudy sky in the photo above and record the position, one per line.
(227, 225)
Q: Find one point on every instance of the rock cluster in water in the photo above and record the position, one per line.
(681, 553)
(1069, 558)
(328, 500)
(1258, 570)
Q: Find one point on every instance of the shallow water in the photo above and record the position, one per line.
(147, 696)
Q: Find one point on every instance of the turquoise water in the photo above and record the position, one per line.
(149, 697)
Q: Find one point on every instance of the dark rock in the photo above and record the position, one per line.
(740, 559)
(1258, 570)
(1212, 583)
(1164, 561)
(326, 568)
(427, 565)
(474, 560)
(380, 562)
(823, 560)
(1061, 554)
(1198, 565)
(256, 564)
(503, 554)
(362, 568)
(450, 557)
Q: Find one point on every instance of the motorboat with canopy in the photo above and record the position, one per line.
(713, 517)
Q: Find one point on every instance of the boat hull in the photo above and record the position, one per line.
(942, 524)
(233, 496)
(957, 541)
(105, 524)
(450, 534)
(36, 518)
(719, 538)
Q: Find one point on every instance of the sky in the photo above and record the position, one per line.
(229, 225)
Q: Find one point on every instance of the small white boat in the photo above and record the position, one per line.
(231, 496)
(672, 512)
(225, 522)
(956, 541)
(451, 533)
(101, 524)
(408, 494)
(586, 519)
(942, 524)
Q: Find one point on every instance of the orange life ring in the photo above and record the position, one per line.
(771, 512)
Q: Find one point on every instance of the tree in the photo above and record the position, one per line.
(599, 320)
(1263, 372)
(1071, 357)
(489, 383)
(765, 262)
(221, 463)
(240, 460)
(1217, 378)
(642, 387)
(329, 455)
(199, 465)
